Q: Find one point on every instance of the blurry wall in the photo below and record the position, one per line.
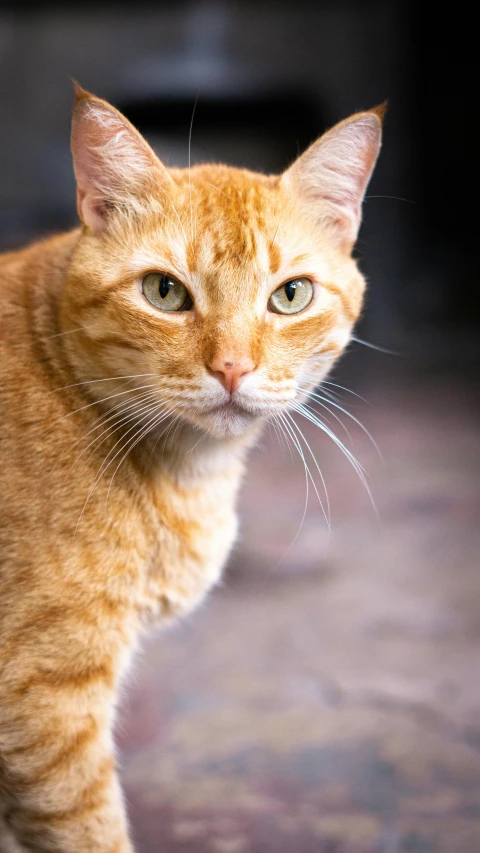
(266, 78)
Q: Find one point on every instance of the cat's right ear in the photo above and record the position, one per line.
(331, 177)
(114, 166)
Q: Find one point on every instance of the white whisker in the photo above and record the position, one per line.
(113, 412)
(167, 429)
(152, 404)
(302, 437)
(106, 464)
(333, 415)
(218, 189)
(342, 388)
(278, 226)
(282, 424)
(280, 434)
(202, 437)
(194, 235)
(374, 346)
(151, 425)
(61, 334)
(319, 398)
(162, 189)
(298, 407)
(104, 399)
(109, 379)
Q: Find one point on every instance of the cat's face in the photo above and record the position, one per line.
(226, 293)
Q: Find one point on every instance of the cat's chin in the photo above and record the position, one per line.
(227, 422)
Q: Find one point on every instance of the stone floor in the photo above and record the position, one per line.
(326, 699)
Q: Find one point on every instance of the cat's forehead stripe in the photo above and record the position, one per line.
(300, 259)
(274, 257)
(234, 214)
(191, 256)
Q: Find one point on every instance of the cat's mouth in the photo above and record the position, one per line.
(229, 405)
(229, 418)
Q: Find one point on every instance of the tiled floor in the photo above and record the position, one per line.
(327, 698)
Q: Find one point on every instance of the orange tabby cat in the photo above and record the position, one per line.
(141, 355)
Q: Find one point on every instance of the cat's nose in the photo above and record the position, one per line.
(231, 372)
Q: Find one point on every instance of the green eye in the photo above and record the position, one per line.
(291, 297)
(165, 292)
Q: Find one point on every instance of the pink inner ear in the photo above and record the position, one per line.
(114, 166)
(332, 175)
(86, 143)
(92, 210)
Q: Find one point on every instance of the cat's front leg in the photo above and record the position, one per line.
(58, 786)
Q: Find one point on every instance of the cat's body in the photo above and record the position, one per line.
(97, 542)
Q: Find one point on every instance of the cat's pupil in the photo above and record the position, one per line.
(165, 285)
(290, 290)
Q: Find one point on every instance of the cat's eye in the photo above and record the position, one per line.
(165, 292)
(291, 297)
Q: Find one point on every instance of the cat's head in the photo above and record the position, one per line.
(226, 293)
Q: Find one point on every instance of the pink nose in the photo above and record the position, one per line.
(231, 373)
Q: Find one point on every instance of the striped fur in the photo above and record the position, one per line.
(96, 543)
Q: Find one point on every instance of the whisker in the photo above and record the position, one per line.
(282, 426)
(298, 447)
(61, 334)
(176, 428)
(374, 346)
(119, 441)
(109, 379)
(300, 433)
(175, 211)
(331, 395)
(104, 399)
(114, 412)
(343, 388)
(278, 226)
(152, 424)
(218, 189)
(322, 401)
(189, 168)
(292, 440)
(202, 437)
(106, 464)
(172, 222)
(323, 426)
(324, 406)
(352, 417)
(137, 411)
(167, 429)
(280, 434)
(394, 197)
(151, 408)
(347, 453)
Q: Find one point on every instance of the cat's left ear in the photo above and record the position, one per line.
(114, 166)
(331, 177)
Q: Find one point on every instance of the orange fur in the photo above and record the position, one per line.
(96, 543)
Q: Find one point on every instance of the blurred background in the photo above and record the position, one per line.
(327, 697)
